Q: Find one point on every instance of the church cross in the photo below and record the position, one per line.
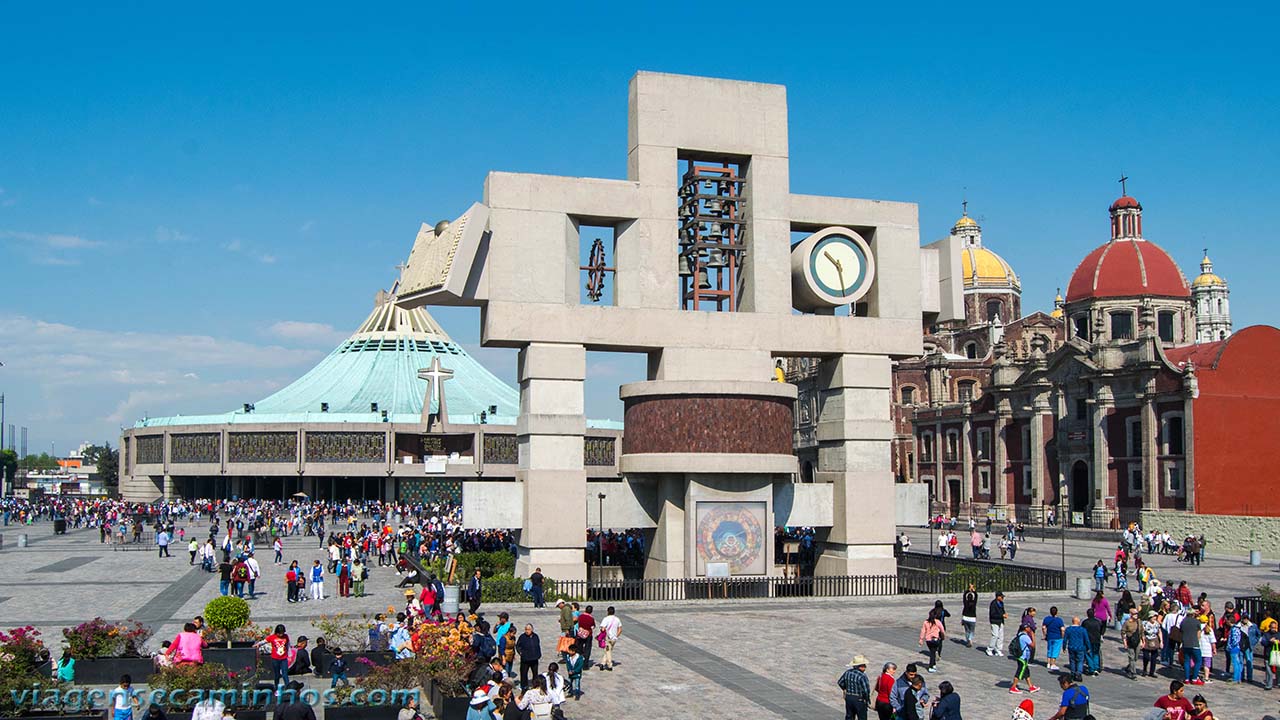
(1123, 179)
(435, 377)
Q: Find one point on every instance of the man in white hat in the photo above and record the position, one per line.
(857, 689)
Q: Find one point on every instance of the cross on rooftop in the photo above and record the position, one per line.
(435, 375)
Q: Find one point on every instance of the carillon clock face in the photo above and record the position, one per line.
(838, 265)
(830, 268)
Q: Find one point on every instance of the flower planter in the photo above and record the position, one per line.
(241, 714)
(234, 659)
(355, 668)
(60, 715)
(107, 671)
(446, 707)
(359, 712)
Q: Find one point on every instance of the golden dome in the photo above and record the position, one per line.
(982, 268)
(966, 221)
(1207, 278)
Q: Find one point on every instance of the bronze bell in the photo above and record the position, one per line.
(715, 258)
(703, 282)
(685, 271)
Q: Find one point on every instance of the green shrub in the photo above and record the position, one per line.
(509, 589)
(227, 613)
(498, 562)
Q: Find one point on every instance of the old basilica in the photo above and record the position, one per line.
(1131, 397)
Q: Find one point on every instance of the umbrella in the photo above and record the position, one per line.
(299, 495)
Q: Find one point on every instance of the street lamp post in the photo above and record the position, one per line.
(600, 535)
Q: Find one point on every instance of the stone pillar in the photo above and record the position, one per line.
(1000, 459)
(939, 490)
(1035, 458)
(1101, 456)
(667, 551)
(1189, 453)
(1150, 448)
(550, 434)
(966, 481)
(854, 437)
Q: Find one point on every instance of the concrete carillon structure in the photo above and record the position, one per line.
(702, 282)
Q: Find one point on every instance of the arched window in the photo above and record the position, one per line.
(908, 395)
(994, 308)
(1081, 326)
(965, 390)
(971, 350)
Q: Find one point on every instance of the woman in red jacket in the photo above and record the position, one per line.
(883, 686)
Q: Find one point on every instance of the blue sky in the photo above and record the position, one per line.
(195, 204)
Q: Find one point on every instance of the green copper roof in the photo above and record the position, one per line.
(379, 364)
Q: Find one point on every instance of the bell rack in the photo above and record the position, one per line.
(711, 213)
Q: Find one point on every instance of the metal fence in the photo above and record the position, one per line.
(661, 589)
(921, 573)
(1258, 607)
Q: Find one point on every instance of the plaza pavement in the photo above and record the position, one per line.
(707, 660)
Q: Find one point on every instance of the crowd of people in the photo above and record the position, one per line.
(1164, 630)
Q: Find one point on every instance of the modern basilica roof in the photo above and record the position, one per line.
(379, 363)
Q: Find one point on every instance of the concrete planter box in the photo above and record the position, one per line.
(235, 659)
(356, 668)
(241, 714)
(448, 708)
(107, 671)
(359, 712)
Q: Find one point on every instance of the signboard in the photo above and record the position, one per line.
(1077, 435)
(732, 533)
(1077, 518)
(717, 569)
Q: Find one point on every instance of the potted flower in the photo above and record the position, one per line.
(352, 635)
(25, 687)
(445, 652)
(104, 651)
(383, 687)
(228, 620)
(186, 684)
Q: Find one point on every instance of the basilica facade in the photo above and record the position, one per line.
(1091, 410)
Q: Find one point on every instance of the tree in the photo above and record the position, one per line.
(43, 461)
(8, 468)
(108, 462)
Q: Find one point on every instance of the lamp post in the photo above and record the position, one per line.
(600, 535)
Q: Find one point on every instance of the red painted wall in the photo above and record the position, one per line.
(1237, 420)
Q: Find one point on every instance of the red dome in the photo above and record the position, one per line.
(1124, 201)
(1127, 268)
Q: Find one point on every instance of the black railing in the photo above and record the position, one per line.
(1258, 608)
(921, 573)
(735, 588)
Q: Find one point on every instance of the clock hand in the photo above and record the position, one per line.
(840, 274)
(827, 255)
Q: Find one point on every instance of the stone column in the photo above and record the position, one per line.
(1150, 444)
(939, 489)
(550, 434)
(966, 445)
(1000, 458)
(854, 437)
(1189, 454)
(1101, 455)
(666, 556)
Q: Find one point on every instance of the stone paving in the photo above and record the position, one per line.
(710, 660)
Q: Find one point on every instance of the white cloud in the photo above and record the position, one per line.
(171, 235)
(266, 259)
(233, 246)
(48, 248)
(307, 333)
(84, 383)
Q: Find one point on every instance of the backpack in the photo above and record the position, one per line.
(488, 647)
(1015, 645)
(364, 573)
